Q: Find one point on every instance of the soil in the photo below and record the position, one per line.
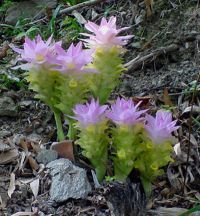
(175, 24)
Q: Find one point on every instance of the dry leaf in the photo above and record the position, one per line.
(34, 165)
(23, 214)
(9, 156)
(11, 187)
(149, 6)
(35, 187)
(145, 101)
(64, 149)
(177, 149)
(166, 98)
(195, 109)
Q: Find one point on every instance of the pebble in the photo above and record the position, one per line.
(68, 181)
(46, 156)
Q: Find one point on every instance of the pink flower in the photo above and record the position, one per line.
(37, 52)
(90, 113)
(106, 34)
(74, 59)
(160, 127)
(124, 112)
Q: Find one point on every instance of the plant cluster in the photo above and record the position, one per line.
(67, 80)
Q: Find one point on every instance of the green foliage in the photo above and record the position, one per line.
(135, 150)
(20, 30)
(52, 26)
(151, 161)
(94, 143)
(192, 88)
(109, 66)
(45, 83)
(128, 143)
(192, 210)
(70, 29)
(73, 90)
(6, 4)
(10, 83)
(74, 2)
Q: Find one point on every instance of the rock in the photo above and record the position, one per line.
(7, 107)
(68, 181)
(39, 130)
(25, 103)
(46, 156)
(28, 9)
(4, 133)
(34, 137)
(136, 45)
(4, 147)
(17, 138)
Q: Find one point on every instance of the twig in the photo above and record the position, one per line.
(135, 63)
(78, 6)
(190, 130)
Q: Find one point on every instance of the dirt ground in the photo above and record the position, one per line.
(166, 54)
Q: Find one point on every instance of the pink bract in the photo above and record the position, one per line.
(105, 34)
(160, 127)
(74, 59)
(37, 52)
(124, 112)
(90, 113)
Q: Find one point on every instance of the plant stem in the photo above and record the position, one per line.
(71, 130)
(60, 133)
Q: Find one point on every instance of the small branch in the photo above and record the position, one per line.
(135, 63)
(190, 130)
(78, 6)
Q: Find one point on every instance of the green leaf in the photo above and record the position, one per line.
(194, 209)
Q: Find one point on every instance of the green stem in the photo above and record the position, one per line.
(100, 172)
(71, 130)
(60, 133)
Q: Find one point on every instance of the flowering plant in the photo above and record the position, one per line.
(92, 125)
(65, 80)
(107, 61)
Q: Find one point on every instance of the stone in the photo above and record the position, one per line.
(28, 9)
(4, 147)
(46, 156)
(136, 45)
(7, 107)
(68, 181)
(4, 133)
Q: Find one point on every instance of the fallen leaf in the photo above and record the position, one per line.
(34, 165)
(177, 149)
(64, 149)
(195, 109)
(3, 51)
(9, 156)
(149, 6)
(23, 214)
(167, 100)
(11, 187)
(35, 187)
(145, 101)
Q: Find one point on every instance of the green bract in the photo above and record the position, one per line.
(94, 143)
(108, 63)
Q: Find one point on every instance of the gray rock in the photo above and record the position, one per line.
(28, 9)
(4, 133)
(136, 45)
(4, 147)
(46, 156)
(68, 181)
(7, 107)
(25, 103)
